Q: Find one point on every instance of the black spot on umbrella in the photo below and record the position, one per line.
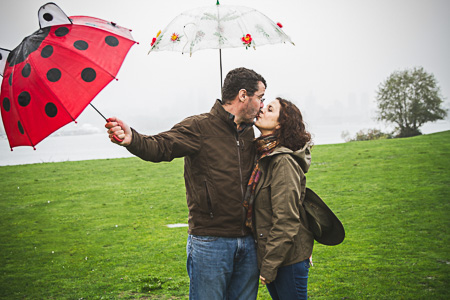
(24, 98)
(20, 127)
(29, 45)
(47, 51)
(26, 70)
(54, 75)
(1, 56)
(51, 110)
(61, 31)
(88, 74)
(6, 104)
(48, 17)
(10, 79)
(111, 41)
(81, 45)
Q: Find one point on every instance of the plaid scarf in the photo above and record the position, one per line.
(264, 146)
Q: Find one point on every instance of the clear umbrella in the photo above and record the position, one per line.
(218, 27)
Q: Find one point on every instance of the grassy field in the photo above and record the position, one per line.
(97, 229)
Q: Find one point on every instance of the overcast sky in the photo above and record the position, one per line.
(343, 50)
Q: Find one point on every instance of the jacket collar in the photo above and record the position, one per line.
(302, 157)
(220, 112)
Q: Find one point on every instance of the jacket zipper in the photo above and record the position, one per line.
(240, 166)
(240, 174)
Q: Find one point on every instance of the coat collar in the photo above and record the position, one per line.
(220, 112)
(302, 157)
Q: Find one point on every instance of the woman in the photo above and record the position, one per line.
(275, 194)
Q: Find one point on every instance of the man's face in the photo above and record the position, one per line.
(253, 104)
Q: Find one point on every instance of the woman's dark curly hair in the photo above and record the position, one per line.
(292, 133)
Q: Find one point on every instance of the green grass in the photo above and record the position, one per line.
(96, 229)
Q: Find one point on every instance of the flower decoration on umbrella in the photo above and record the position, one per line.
(247, 40)
(175, 37)
(155, 38)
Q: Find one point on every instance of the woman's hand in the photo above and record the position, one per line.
(263, 280)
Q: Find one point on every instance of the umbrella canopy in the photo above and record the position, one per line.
(50, 78)
(218, 27)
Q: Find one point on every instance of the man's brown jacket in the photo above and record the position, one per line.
(218, 161)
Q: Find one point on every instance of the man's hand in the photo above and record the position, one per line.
(119, 129)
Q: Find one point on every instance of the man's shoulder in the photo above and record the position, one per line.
(199, 117)
(196, 116)
(199, 123)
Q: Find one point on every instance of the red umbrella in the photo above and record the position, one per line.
(50, 78)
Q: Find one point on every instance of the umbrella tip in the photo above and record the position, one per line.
(34, 148)
(217, 2)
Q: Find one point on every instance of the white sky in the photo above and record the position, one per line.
(344, 50)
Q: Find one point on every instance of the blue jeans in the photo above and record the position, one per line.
(222, 268)
(291, 282)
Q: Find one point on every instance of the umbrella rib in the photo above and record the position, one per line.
(18, 111)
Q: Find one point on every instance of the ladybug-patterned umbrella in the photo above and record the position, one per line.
(50, 78)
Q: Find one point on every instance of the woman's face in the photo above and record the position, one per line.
(267, 121)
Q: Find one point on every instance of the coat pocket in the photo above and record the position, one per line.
(209, 201)
(263, 198)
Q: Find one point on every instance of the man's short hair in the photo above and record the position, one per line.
(240, 78)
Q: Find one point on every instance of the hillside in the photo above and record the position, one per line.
(97, 229)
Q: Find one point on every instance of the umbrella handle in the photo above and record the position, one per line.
(117, 139)
(114, 136)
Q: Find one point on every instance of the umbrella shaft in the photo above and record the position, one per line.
(98, 112)
(220, 56)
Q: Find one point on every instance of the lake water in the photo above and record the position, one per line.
(98, 146)
(62, 148)
(77, 147)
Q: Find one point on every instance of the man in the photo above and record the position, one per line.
(219, 155)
